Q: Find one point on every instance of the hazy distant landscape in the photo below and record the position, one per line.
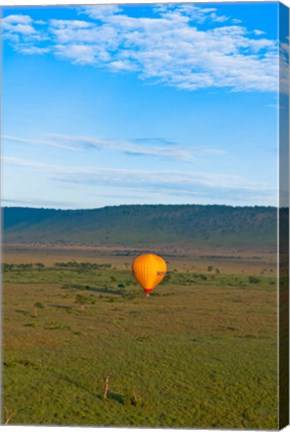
(146, 225)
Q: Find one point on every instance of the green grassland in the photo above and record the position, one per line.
(199, 352)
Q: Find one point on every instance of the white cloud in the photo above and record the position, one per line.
(236, 21)
(17, 26)
(126, 146)
(23, 33)
(158, 147)
(22, 24)
(122, 65)
(153, 147)
(167, 183)
(35, 50)
(77, 53)
(187, 11)
(259, 32)
(169, 47)
(38, 142)
(101, 12)
(16, 19)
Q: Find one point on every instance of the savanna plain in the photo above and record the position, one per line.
(199, 352)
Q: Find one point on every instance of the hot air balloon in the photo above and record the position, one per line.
(149, 270)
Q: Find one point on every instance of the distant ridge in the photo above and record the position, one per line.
(144, 225)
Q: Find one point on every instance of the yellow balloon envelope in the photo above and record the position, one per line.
(149, 270)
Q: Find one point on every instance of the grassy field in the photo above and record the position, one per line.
(199, 352)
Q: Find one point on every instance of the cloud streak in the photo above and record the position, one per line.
(128, 147)
(170, 47)
(186, 183)
(38, 142)
(150, 147)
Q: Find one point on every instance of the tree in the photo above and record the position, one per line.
(37, 306)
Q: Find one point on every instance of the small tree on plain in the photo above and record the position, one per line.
(107, 386)
(37, 306)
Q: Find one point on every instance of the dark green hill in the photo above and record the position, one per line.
(144, 225)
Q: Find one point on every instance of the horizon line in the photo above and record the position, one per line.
(139, 205)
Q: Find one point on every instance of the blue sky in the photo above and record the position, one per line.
(169, 104)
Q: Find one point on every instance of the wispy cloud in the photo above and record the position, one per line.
(37, 202)
(154, 140)
(38, 142)
(172, 47)
(127, 147)
(180, 182)
(151, 147)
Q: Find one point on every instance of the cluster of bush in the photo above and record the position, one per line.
(81, 265)
(29, 266)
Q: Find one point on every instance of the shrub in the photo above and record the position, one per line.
(167, 278)
(83, 299)
(38, 305)
(254, 280)
(200, 276)
(7, 267)
(132, 398)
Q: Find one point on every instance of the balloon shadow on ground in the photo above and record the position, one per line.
(113, 396)
(67, 308)
(73, 382)
(96, 289)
